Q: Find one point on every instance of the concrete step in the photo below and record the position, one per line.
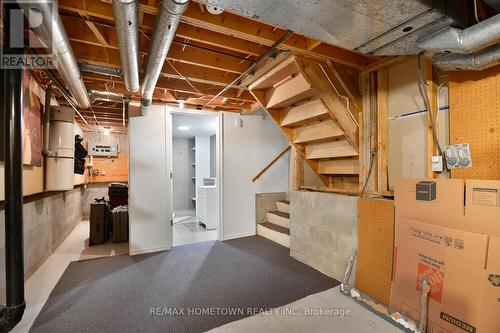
(283, 206)
(279, 218)
(275, 233)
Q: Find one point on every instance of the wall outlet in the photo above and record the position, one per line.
(437, 163)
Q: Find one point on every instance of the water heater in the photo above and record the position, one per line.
(61, 152)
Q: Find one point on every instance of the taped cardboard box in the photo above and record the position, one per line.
(482, 206)
(462, 299)
(436, 201)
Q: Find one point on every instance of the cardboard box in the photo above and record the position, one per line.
(490, 321)
(462, 299)
(445, 208)
(482, 206)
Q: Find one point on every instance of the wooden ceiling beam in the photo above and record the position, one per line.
(180, 53)
(232, 25)
(184, 31)
(176, 84)
(162, 93)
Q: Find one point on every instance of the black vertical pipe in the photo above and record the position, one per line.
(14, 254)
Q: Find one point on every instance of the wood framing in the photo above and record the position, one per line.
(210, 52)
(382, 130)
(296, 170)
(432, 113)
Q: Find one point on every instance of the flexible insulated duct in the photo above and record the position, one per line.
(167, 20)
(476, 61)
(474, 38)
(126, 14)
(51, 32)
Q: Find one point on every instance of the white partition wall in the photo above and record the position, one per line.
(150, 208)
(250, 143)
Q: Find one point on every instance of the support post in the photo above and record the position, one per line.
(296, 170)
(432, 112)
(11, 99)
(382, 123)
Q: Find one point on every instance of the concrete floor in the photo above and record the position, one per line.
(339, 314)
(40, 284)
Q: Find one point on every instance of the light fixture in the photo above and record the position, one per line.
(181, 103)
(106, 131)
(183, 128)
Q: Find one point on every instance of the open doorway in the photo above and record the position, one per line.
(195, 184)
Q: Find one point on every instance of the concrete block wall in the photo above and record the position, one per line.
(47, 222)
(323, 230)
(93, 191)
(265, 202)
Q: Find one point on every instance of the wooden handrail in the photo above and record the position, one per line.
(270, 164)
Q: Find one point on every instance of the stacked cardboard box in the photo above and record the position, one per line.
(449, 231)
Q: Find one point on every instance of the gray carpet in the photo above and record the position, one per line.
(117, 294)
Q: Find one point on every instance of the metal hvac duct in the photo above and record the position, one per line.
(99, 69)
(474, 38)
(51, 32)
(167, 20)
(476, 61)
(126, 13)
(106, 96)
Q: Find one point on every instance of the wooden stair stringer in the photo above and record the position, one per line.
(326, 93)
(290, 134)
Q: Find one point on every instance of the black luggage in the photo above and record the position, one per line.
(120, 224)
(99, 226)
(118, 194)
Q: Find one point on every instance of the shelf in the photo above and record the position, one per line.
(194, 199)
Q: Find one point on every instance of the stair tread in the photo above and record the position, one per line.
(282, 214)
(276, 228)
(284, 201)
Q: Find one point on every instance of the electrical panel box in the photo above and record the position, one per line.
(426, 191)
(103, 149)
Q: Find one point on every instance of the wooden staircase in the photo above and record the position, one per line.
(316, 105)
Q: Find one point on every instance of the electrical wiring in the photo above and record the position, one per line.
(372, 158)
(422, 87)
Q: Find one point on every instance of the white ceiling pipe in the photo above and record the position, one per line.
(126, 16)
(167, 20)
(51, 32)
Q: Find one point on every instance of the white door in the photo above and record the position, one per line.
(150, 185)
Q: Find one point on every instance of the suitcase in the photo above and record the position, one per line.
(120, 224)
(118, 194)
(99, 222)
